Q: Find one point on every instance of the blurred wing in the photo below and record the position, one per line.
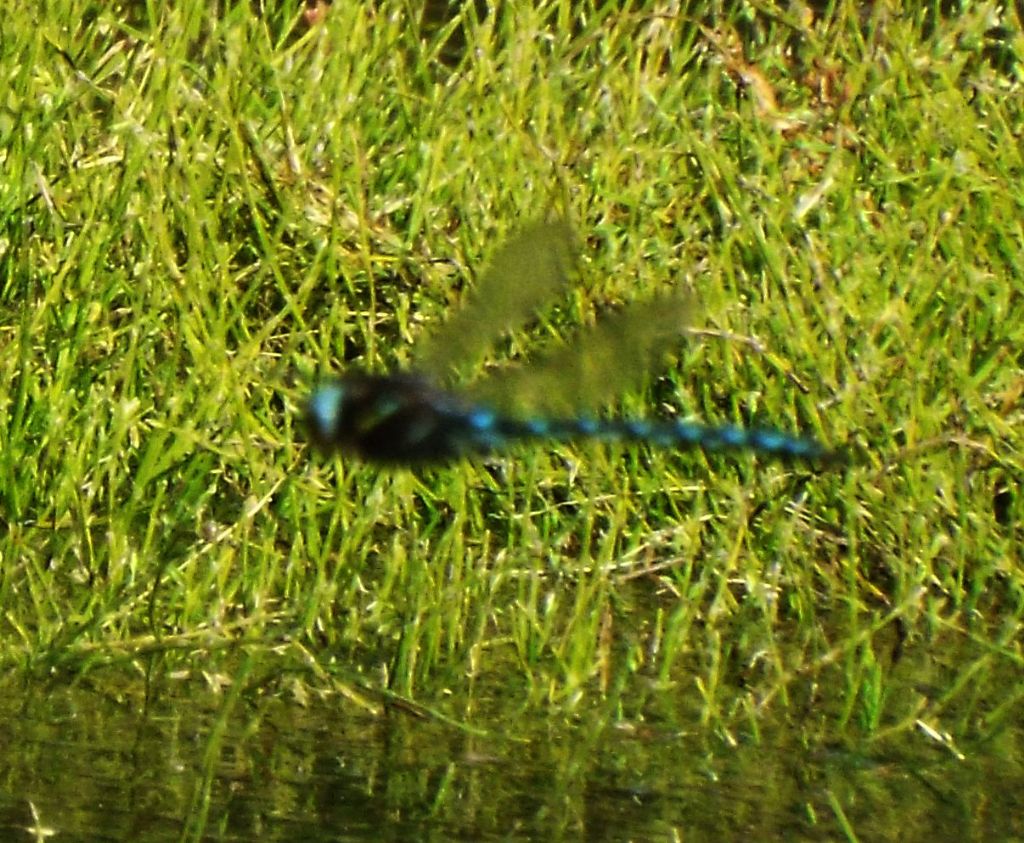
(605, 361)
(530, 268)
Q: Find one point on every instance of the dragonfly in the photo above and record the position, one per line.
(415, 417)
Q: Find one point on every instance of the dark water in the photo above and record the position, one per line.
(97, 761)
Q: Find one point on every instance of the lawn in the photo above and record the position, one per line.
(207, 208)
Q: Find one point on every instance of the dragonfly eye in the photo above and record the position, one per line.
(324, 411)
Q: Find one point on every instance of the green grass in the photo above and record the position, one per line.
(203, 210)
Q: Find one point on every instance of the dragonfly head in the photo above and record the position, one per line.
(326, 413)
